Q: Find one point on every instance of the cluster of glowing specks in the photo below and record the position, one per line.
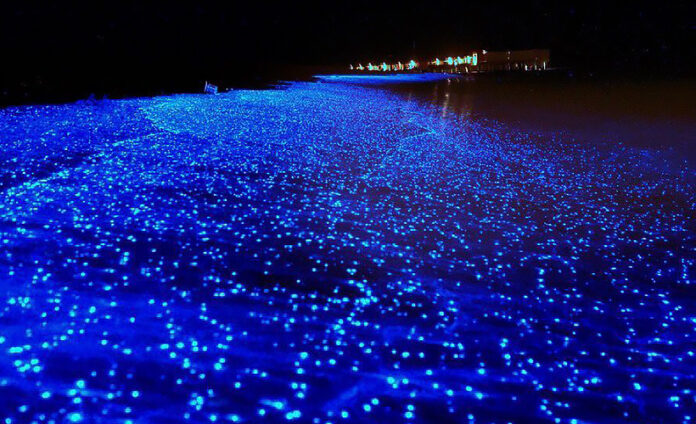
(332, 252)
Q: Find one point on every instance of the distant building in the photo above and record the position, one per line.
(514, 60)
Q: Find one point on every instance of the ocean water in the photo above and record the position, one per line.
(346, 250)
(657, 114)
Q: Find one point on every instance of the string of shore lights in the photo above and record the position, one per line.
(413, 65)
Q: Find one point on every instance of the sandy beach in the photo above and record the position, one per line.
(344, 250)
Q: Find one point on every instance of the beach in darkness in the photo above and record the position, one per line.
(404, 248)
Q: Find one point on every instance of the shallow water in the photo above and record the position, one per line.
(645, 114)
(338, 252)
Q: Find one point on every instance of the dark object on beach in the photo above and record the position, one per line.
(210, 88)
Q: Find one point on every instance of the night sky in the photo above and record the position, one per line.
(132, 48)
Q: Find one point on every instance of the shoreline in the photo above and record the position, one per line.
(45, 92)
(302, 253)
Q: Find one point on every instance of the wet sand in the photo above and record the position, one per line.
(339, 252)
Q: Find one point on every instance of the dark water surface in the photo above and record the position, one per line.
(340, 252)
(653, 114)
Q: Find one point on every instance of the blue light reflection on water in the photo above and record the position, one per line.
(336, 253)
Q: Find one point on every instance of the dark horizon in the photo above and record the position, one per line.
(59, 52)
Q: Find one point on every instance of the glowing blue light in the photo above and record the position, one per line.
(338, 250)
(75, 417)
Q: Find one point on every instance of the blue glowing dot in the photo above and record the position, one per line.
(75, 417)
(293, 415)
